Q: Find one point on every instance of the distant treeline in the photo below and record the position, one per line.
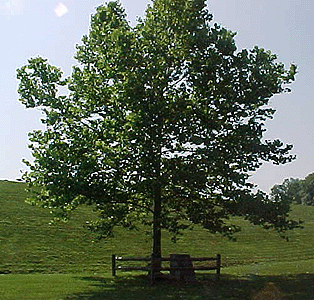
(299, 191)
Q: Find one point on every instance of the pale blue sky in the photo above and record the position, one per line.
(33, 27)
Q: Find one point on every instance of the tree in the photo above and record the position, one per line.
(307, 190)
(163, 123)
(299, 191)
(291, 189)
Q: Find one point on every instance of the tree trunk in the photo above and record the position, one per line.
(156, 255)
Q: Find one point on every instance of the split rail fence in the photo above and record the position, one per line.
(149, 260)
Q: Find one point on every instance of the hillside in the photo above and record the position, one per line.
(28, 244)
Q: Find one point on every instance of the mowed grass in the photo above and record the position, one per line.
(42, 261)
(131, 286)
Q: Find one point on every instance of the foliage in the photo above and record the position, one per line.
(162, 124)
(290, 189)
(307, 190)
(296, 190)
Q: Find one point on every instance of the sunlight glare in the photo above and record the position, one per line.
(61, 10)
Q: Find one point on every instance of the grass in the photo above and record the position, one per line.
(42, 261)
(130, 286)
(41, 286)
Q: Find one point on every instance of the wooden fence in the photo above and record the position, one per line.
(149, 260)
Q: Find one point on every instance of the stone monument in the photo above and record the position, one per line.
(184, 267)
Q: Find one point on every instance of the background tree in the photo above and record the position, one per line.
(162, 124)
(307, 190)
(291, 189)
(299, 191)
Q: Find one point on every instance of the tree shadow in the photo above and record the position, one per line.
(292, 287)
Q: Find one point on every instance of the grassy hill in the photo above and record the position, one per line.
(65, 263)
(28, 244)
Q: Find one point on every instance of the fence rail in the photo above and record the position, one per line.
(116, 267)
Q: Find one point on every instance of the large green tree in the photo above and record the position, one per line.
(162, 124)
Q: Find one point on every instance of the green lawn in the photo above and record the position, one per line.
(130, 286)
(42, 261)
(41, 286)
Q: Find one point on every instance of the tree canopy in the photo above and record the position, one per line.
(299, 191)
(162, 124)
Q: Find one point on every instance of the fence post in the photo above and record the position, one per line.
(152, 271)
(218, 266)
(113, 265)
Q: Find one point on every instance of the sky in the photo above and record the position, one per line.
(52, 28)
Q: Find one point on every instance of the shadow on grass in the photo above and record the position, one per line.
(294, 287)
